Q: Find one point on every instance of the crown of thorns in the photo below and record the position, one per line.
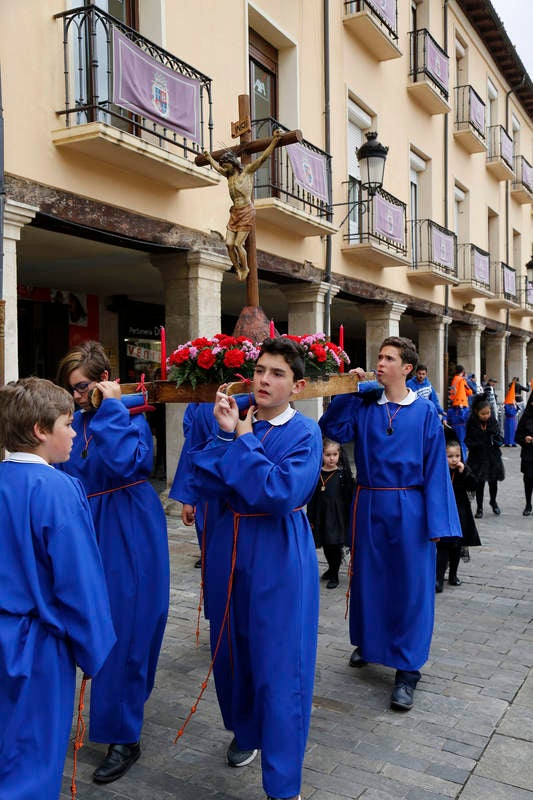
(230, 157)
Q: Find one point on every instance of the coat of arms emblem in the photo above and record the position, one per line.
(160, 96)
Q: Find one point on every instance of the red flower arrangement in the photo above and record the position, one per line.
(229, 358)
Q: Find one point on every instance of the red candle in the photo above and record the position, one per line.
(163, 355)
(341, 345)
(272, 332)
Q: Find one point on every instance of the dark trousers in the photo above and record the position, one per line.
(448, 553)
(333, 554)
(528, 489)
(408, 677)
(480, 491)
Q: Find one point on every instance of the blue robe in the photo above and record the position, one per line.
(509, 424)
(404, 499)
(265, 684)
(132, 536)
(54, 614)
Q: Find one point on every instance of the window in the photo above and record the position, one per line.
(417, 182)
(358, 122)
(263, 103)
(492, 104)
(461, 63)
(460, 214)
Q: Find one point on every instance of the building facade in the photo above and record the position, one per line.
(111, 228)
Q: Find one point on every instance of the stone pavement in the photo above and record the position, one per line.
(469, 736)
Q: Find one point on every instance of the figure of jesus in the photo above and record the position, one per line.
(242, 213)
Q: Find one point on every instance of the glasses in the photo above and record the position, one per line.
(80, 387)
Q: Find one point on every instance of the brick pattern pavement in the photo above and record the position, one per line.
(470, 734)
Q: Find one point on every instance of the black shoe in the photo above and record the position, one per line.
(496, 508)
(198, 564)
(117, 762)
(402, 697)
(356, 660)
(479, 513)
(332, 583)
(326, 575)
(439, 586)
(527, 510)
(239, 758)
(453, 580)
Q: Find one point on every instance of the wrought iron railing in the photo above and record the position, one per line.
(433, 248)
(275, 178)
(469, 110)
(88, 69)
(504, 282)
(526, 298)
(523, 172)
(428, 60)
(474, 266)
(380, 219)
(500, 145)
(385, 13)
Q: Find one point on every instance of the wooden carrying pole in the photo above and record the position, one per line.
(166, 391)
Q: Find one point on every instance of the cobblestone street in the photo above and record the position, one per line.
(470, 734)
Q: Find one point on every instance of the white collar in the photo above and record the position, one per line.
(26, 458)
(410, 398)
(281, 419)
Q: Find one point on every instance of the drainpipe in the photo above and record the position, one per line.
(446, 198)
(327, 143)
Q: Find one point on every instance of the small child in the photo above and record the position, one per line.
(484, 441)
(449, 550)
(329, 509)
(53, 598)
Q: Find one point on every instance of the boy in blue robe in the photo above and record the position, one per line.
(262, 570)
(403, 503)
(54, 607)
(113, 458)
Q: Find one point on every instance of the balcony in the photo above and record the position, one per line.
(131, 104)
(469, 129)
(473, 272)
(526, 297)
(433, 252)
(504, 286)
(375, 233)
(429, 74)
(292, 187)
(522, 188)
(374, 23)
(500, 153)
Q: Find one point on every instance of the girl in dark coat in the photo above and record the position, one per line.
(329, 508)
(484, 441)
(524, 437)
(449, 550)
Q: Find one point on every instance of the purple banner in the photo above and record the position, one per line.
(529, 293)
(527, 175)
(506, 145)
(481, 267)
(509, 281)
(386, 9)
(144, 86)
(436, 62)
(389, 220)
(443, 248)
(309, 170)
(477, 112)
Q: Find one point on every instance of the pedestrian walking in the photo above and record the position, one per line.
(524, 437)
(484, 441)
(510, 409)
(458, 411)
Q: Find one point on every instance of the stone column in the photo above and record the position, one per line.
(306, 315)
(468, 339)
(16, 215)
(193, 286)
(517, 358)
(431, 350)
(495, 355)
(382, 320)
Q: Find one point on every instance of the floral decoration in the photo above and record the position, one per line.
(229, 358)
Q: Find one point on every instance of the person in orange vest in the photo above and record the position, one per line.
(459, 410)
(511, 410)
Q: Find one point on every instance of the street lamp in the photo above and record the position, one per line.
(371, 157)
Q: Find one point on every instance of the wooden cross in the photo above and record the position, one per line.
(246, 147)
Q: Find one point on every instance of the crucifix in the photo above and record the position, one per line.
(237, 166)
